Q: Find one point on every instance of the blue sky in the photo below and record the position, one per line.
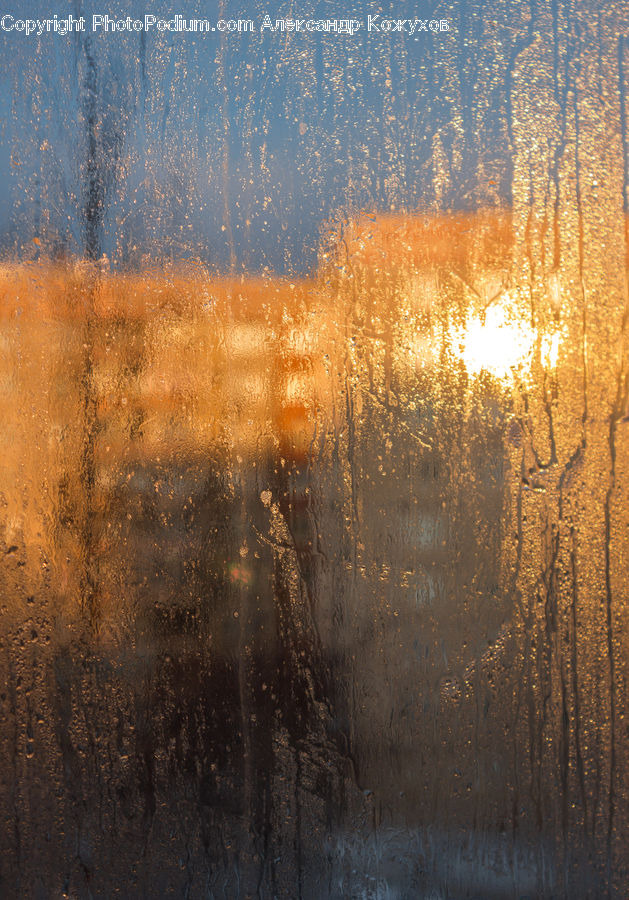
(237, 149)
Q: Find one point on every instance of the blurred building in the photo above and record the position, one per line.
(313, 471)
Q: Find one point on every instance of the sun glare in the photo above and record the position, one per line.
(497, 343)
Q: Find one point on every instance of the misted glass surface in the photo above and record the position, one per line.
(314, 503)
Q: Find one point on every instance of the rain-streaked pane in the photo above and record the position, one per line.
(314, 504)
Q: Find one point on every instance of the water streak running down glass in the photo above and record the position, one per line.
(314, 505)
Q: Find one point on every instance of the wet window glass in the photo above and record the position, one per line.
(314, 406)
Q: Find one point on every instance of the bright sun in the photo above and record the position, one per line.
(496, 344)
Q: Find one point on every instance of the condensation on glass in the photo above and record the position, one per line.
(314, 504)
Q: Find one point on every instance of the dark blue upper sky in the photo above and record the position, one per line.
(236, 149)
